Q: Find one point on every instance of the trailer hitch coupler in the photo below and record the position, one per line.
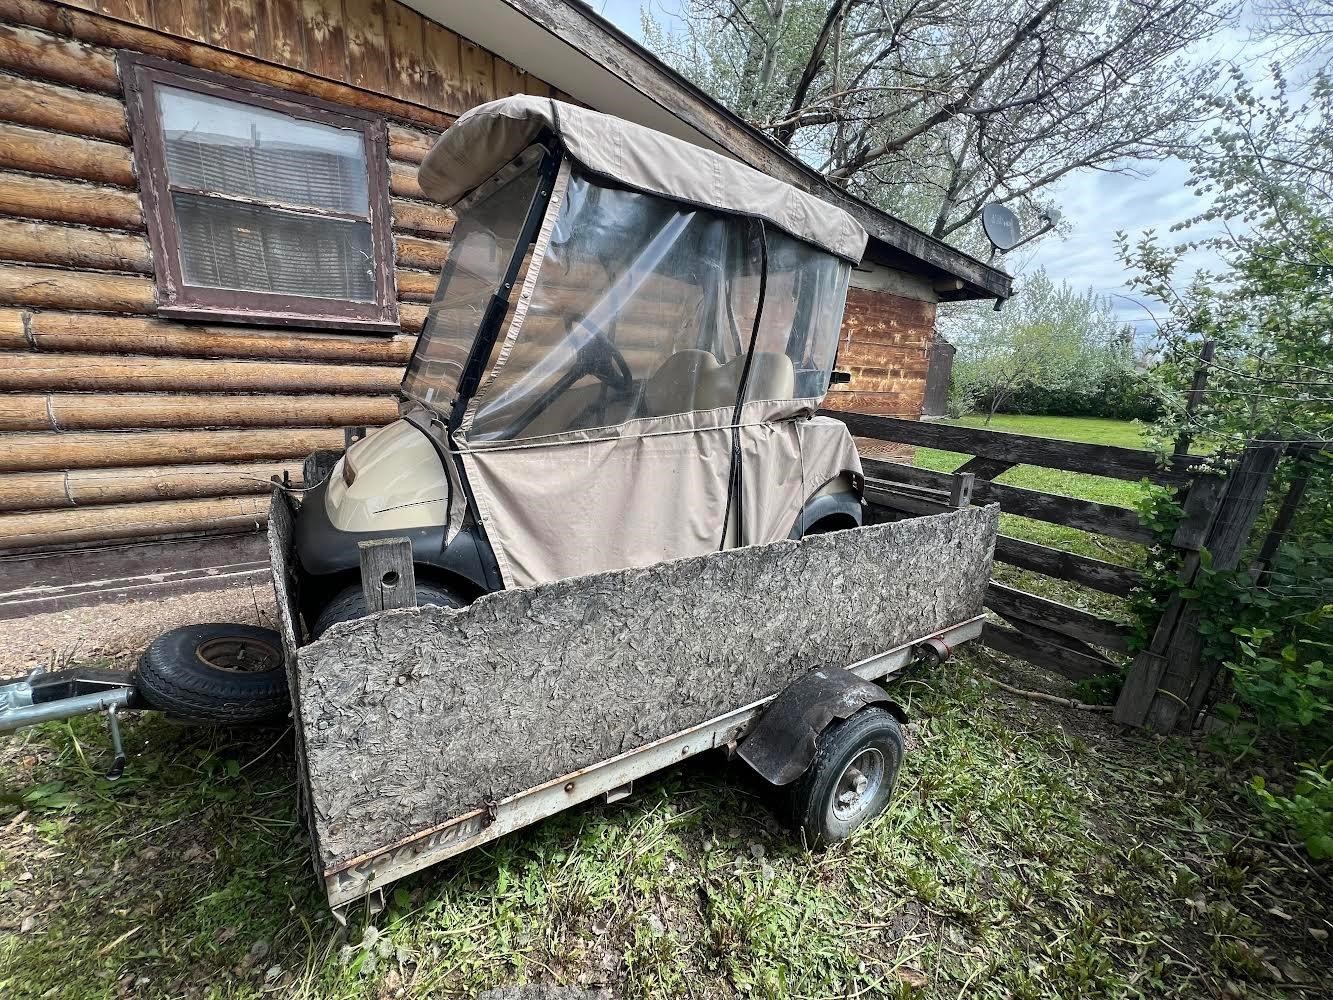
(934, 651)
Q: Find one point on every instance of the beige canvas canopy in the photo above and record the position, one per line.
(490, 135)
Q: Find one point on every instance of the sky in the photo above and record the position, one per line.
(1094, 204)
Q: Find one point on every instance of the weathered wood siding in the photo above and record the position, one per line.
(115, 423)
(886, 340)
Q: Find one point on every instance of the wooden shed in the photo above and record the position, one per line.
(179, 323)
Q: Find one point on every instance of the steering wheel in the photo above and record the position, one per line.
(601, 359)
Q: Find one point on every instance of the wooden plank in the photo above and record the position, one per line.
(91, 487)
(416, 286)
(440, 54)
(1050, 655)
(367, 44)
(422, 217)
(49, 287)
(65, 201)
(325, 43)
(508, 78)
(985, 468)
(51, 330)
(27, 531)
(26, 52)
(69, 246)
(37, 451)
(1053, 508)
(388, 580)
(1103, 576)
(406, 59)
(100, 31)
(1062, 618)
(124, 411)
(284, 39)
(1197, 510)
(478, 71)
(409, 144)
(14, 328)
(41, 152)
(1021, 449)
(426, 255)
(187, 19)
(63, 109)
(403, 180)
(76, 372)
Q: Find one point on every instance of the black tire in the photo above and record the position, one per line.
(228, 674)
(828, 803)
(350, 604)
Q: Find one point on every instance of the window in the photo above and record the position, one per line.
(262, 206)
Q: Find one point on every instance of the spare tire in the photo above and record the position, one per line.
(350, 604)
(229, 674)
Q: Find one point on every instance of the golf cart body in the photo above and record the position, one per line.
(621, 365)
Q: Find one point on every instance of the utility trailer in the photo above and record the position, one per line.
(423, 732)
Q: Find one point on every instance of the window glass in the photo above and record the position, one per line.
(262, 206)
(797, 340)
(483, 243)
(221, 146)
(639, 310)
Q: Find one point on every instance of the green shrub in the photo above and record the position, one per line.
(1307, 809)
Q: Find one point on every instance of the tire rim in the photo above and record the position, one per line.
(238, 655)
(857, 788)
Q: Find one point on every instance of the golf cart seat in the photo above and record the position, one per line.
(694, 380)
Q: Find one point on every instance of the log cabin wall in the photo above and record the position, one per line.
(119, 424)
(887, 333)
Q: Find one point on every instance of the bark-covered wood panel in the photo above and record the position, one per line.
(105, 406)
(411, 718)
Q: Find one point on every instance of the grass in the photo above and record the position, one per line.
(1120, 493)
(1030, 853)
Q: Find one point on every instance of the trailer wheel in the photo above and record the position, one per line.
(851, 778)
(350, 604)
(230, 674)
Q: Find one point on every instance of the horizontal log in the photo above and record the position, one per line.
(1062, 618)
(90, 487)
(46, 529)
(63, 109)
(1053, 508)
(417, 286)
(84, 372)
(73, 331)
(13, 329)
(412, 318)
(403, 180)
(33, 452)
(92, 411)
(26, 52)
(428, 255)
(72, 246)
(1023, 449)
(68, 201)
(1044, 653)
(409, 144)
(1106, 577)
(422, 217)
(110, 34)
(52, 288)
(42, 152)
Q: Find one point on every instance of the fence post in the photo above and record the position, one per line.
(388, 579)
(1168, 681)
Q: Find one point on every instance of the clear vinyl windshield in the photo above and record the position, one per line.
(488, 229)
(645, 307)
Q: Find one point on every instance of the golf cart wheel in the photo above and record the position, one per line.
(350, 604)
(228, 674)
(851, 779)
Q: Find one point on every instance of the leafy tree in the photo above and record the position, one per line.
(1048, 339)
(932, 108)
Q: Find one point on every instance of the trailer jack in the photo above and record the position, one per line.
(64, 694)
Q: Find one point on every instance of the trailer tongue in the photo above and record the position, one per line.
(425, 732)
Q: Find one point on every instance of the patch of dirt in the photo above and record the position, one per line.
(119, 632)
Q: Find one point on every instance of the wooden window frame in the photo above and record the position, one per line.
(142, 75)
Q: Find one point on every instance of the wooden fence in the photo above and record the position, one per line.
(1166, 682)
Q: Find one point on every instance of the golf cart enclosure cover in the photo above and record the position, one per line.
(675, 307)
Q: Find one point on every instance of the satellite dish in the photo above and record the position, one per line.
(1001, 227)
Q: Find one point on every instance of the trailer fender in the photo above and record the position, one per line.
(781, 745)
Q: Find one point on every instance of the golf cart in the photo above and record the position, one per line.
(621, 366)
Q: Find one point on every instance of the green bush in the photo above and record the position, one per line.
(1117, 394)
(1307, 809)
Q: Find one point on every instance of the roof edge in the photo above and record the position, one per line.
(619, 54)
